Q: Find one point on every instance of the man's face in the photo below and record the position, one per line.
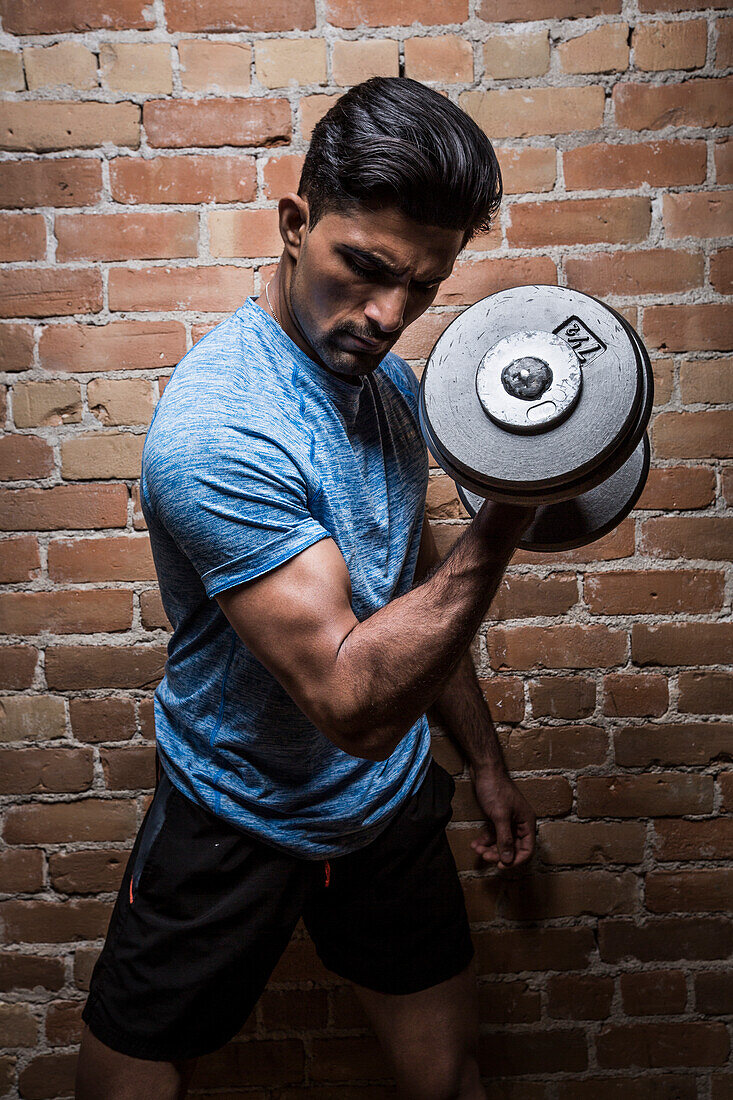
(361, 278)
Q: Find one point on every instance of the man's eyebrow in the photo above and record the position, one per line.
(381, 264)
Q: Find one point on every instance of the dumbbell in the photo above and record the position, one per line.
(540, 395)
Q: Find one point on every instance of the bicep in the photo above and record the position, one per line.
(294, 620)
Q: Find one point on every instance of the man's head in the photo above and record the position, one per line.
(396, 181)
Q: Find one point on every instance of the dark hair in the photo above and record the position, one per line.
(392, 141)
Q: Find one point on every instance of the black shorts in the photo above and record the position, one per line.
(205, 912)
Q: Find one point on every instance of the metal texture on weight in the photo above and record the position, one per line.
(573, 455)
(529, 381)
(587, 517)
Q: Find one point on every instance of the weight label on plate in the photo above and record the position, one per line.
(584, 343)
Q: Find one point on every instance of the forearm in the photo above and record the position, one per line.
(393, 666)
(462, 711)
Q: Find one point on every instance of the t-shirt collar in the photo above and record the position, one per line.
(345, 395)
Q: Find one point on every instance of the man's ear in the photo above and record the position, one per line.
(293, 214)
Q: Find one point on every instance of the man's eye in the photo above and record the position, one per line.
(363, 272)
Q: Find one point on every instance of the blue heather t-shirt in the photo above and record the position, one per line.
(255, 453)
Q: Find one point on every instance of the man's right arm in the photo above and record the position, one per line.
(365, 684)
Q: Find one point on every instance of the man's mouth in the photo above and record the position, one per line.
(361, 343)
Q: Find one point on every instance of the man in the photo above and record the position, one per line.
(283, 483)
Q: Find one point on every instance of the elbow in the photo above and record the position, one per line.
(360, 738)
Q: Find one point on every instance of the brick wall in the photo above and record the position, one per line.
(144, 149)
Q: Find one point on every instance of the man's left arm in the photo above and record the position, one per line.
(462, 711)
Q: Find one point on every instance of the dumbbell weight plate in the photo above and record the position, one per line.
(554, 463)
(584, 518)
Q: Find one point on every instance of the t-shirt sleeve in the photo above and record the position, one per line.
(236, 504)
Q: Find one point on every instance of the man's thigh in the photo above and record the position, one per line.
(429, 1037)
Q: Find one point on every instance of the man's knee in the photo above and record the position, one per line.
(105, 1074)
(445, 1076)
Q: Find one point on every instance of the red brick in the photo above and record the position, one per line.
(555, 747)
(122, 558)
(210, 289)
(379, 13)
(46, 770)
(579, 221)
(704, 435)
(562, 696)
(19, 560)
(533, 1052)
(209, 123)
(47, 125)
(619, 543)
(579, 997)
(654, 271)
(705, 692)
(689, 891)
(721, 271)
(681, 643)
(128, 236)
(281, 174)
(91, 872)
(240, 15)
(665, 794)
(474, 279)
(21, 869)
(655, 993)
(658, 163)
(64, 507)
(120, 345)
(628, 694)
(244, 233)
(698, 214)
(48, 17)
(662, 1045)
(30, 972)
(17, 666)
(707, 380)
(524, 112)
(527, 171)
(79, 668)
(74, 181)
(703, 327)
(266, 1062)
(54, 922)
(665, 939)
(565, 646)
(714, 992)
(16, 347)
(129, 768)
(189, 179)
(65, 612)
(724, 161)
(686, 743)
(95, 720)
(693, 840)
(519, 10)
(704, 537)
(505, 951)
(658, 1086)
(22, 237)
(50, 292)
(23, 457)
(548, 796)
(152, 613)
(49, 1075)
(88, 820)
(565, 894)
(582, 843)
(295, 1008)
(64, 1023)
(655, 106)
(508, 1003)
(522, 595)
(661, 592)
(681, 487)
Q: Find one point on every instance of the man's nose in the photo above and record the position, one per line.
(386, 307)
